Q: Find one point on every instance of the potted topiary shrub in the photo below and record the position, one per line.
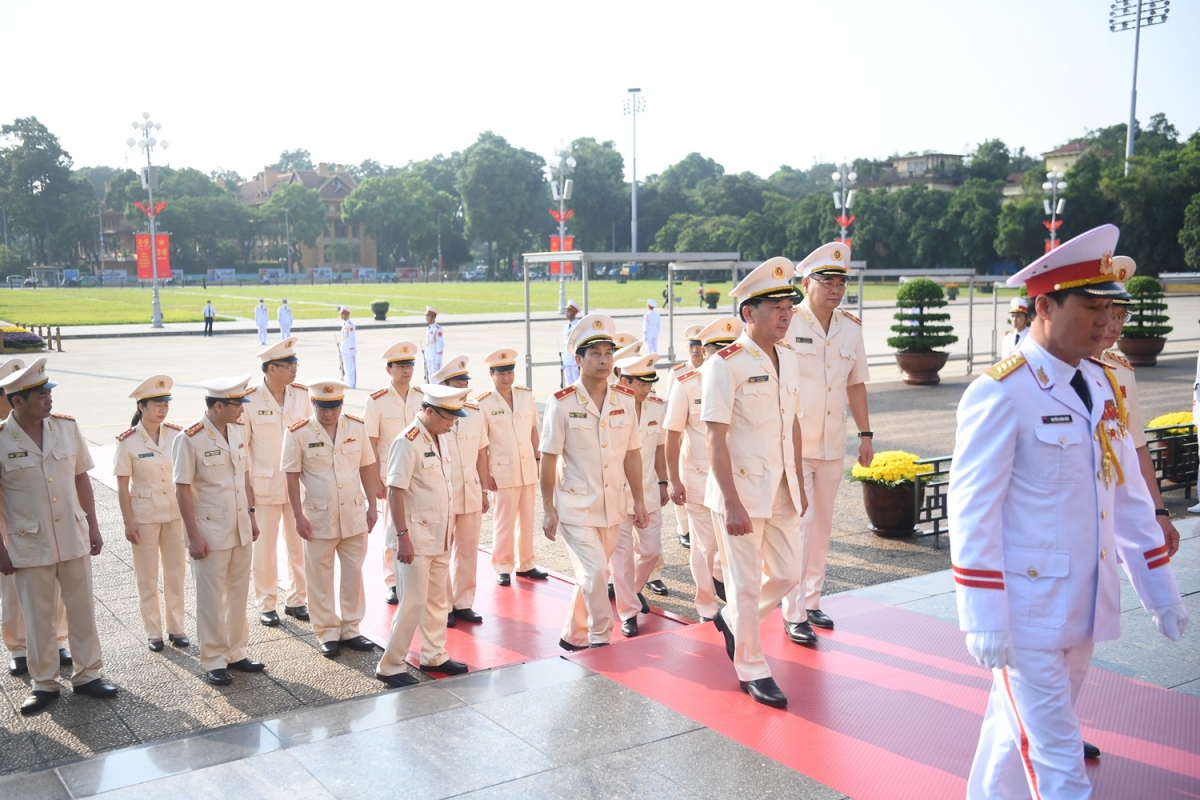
(711, 298)
(920, 332)
(1145, 334)
(952, 291)
(380, 309)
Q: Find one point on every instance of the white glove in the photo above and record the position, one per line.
(1171, 621)
(992, 649)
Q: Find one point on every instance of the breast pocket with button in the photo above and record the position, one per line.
(1039, 592)
(1058, 454)
(756, 399)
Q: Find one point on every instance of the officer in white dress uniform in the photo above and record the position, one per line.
(751, 404)
(348, 346)
(651, 325)
(1045, 501)
(262, 317)
(283, 315)
(435, 343)
(569, 368)
(833, 376)
(1018, 312)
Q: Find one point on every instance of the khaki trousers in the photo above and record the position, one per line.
(637, 554)
(319, 555)
(388, 554)
(821, 480)
(266, 559)
(590, 618)
(36, 590)
(704, 558)
(762, 567)
(424, 606)
(168, 541)
(222, 583)
(512, 529)
(464, 557)
(12, 621)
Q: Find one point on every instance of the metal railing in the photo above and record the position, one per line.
(1176, 457)
(929, 499)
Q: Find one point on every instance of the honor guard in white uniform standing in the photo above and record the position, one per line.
(216, 501)
(389, 411)
(469, 469)
(651, 324)
(435, 343)
(283, 315)
(1045, 501)
(511, 418)
(570, 370)
(146, 491)
(262, 317)
(1018, 313)
(591, 462)
(330, 456)
(638, 551)
(51, 534)
(687, 465)
(348, 347)
(420, 525)
(271, 408)
(750, 402)
(833, 376)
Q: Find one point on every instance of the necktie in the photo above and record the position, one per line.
(1081, 388)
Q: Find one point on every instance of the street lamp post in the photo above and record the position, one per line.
(560, 188)
(1054, 206)
(634, 103)
(843, 197)
(1134, 15)
(150, 177)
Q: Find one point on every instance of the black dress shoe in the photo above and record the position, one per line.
(156, 645)
(269, 618)
(534, 574)
(331, 649)
(218, 677)
(705, 619)
(360, 643)
(719, 621)
(18, 666)
(246, 665)
(504, 579)
(299, 612)
(800, 632)
(392, 599)
(686, 541)
(400, 679)
(99, 689)
(820, 619)
(64, 657)
(629, 627)
(658, 587)
(612, 592)
(765, 691)
(719, 590)
(447, 667)
(594, 645)
(645, 605)
(565, 645)
(1090, 750)
(451, 620)
(179, 640)
(37, 700)
(467, 615)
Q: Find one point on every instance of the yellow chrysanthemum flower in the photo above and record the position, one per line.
(890, 468)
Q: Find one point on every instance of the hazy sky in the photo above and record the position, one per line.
(751, 84)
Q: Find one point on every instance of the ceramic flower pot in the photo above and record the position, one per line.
(1142, 352)
(891, 510)
(921, 369)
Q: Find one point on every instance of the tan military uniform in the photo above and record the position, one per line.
(148, 466)
(638, 551)
(513, 466)
(1129, 393)
(216, 471)
(467, 438)
(46, 531)
(424, 473)
(265, 422)
(336, 507)
(12, 620)
(387, 415)
(590, 495)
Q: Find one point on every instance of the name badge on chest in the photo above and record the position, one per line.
(265, 412)
(1057, 419)
(430, 454)
(316, 444)
(804, 339)
(759, 378)
(145, 455)
(578, 415)
(19, 454)
(208, 453)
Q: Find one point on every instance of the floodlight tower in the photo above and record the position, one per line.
(1134, 15)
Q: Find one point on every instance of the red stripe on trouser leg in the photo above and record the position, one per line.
(1025, 760)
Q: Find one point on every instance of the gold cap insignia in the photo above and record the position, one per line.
(159, 385)
(777, 273)
(837, 255)
(1106, 263)
(462, 363)
(597, 325)
(728, 327)
(327, 390)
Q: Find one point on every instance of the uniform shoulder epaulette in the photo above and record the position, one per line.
(731, 350)
(412, 434)
(172, 426)
(482, 395)
(251, 391)
(300, 386)
(192, 431)
(295, 426)
(559, 395)
(679, 366)
(850, 316)
(522, 388)
(63, 416)
(356, 419)
(688, 375)
(655, 399)
(1118, 358)
(469, 404)
(126, 434)
(238, 422)
(379, 394)
(419, 390)
(623, 389)
(1003, 369)
(785, 344)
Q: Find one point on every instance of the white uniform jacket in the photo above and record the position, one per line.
(416, 468)
(1038, 517)
(265, 423)
(147, 464)
(329, 471)
(1012, 342)
(215, 468)
(510, 436)
(830, 361)
(387, 415)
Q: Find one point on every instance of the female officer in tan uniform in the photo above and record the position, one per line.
(146, 491)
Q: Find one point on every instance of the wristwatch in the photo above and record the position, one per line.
(1162, 512)
(402, 531)
(866, 434)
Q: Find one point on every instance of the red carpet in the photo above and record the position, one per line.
(888, 707)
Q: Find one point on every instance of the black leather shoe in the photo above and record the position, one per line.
(399, 680)
(99, 689)
(299, 612)
(156, 645)
(565, 645)
(37, 700)
(269, 618)
(451, 620)
(392, 599)
(1090, 750)
(594, 645)
(705, 619)
(218, 677)
(447, 667)
(629, 627)
(612, 592)
(467, 615)
(799, 632)
(820, 619)
(686, 541)
(719, 621)
(179, 640)
(246, 665)
(645, 605)
(658, 587)
(331, 649)
(504, 579)
(765, 691)
(64, 657)
(719, 589)
(534, 574)
(18, 666)
(360, 643)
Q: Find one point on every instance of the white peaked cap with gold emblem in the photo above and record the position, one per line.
(692, 334)
(721, 330)
(634, 348)
(446, 398)
(30, 376)
(327, 392)
(1127, 266)
(639, 367)
(621, 340)
(431, 310)
(504, 360)
(1083, 265)
(229, 390)
(771, 279)
(1018, 305)
(454, 368)
(281, 351)
(592, 328)
(828, 259)
(156, 388)
(11, 366)
(572, 304)
(400, 351)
